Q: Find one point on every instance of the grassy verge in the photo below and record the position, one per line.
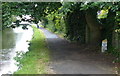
(35, 61)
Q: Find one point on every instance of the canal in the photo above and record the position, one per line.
(13, 41)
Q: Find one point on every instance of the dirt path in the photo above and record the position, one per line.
(71, 58)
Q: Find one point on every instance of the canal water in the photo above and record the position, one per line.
(13, 41)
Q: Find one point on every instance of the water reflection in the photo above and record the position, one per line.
(13, 40)
(8, 38)
(0, 39)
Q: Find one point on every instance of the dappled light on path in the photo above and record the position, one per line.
(71, 58)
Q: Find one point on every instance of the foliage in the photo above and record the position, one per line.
(6, 14)
(44, 21)
(56, 22)
(102, 14)
(35, 9)
(67, 17)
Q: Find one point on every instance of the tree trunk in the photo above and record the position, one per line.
(110, 22)
(87, 39)
(93, 28)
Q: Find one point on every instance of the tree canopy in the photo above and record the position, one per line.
(35, 9)
(100, 19)
(85, 22)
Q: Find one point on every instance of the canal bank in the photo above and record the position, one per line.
(13, 41)
(36, 60)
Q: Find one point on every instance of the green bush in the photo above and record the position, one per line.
(55, 23)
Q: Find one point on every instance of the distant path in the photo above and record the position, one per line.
(69, 58)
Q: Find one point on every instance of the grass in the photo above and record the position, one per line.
(36, 59)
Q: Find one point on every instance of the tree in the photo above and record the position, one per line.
(35, 9)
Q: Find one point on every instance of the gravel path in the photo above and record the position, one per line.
(71, 58)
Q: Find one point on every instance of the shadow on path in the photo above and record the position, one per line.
(69, 58)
